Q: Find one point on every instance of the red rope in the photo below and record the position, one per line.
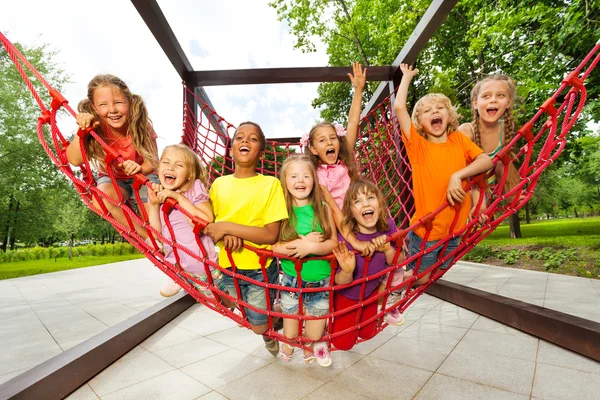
(381, 157)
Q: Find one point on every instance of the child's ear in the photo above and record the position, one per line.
(312, 150)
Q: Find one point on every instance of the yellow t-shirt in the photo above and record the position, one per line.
(255, 201)
(432, 165)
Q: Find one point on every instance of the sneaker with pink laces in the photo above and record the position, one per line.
(394, 317)
(322, 354)
(170, 289)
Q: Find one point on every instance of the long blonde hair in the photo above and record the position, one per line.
(344, 155)
(321, 212)
(438, 98)
(192, 161)
(139, 124)
(366, 187)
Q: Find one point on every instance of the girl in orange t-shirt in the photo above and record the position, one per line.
(121, 119)
(440, 159)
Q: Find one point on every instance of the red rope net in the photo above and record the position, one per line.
(381, 157)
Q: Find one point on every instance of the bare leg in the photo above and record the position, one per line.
(115, 211)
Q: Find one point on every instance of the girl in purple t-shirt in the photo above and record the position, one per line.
(366, 215)
(183, 178)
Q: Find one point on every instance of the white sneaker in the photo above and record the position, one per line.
(170, 289)
(322, 354)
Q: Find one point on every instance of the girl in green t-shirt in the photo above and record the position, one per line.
(309, 231)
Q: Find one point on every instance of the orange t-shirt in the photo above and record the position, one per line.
(432, 165)
(124, 146)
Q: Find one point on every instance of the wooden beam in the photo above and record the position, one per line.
(433, 18)
(64, 373)
(285, 75)
(576, 334)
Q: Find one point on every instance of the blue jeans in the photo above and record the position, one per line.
(427, 260)
(315, 303)
(253, 294)
(127, 186)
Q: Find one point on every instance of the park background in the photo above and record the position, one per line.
(535, 42)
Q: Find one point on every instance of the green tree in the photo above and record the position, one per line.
(25, 169)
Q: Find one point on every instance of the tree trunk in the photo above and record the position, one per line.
(527, 214)
(71, 247)
(13, 237)
(575, 212)
(515, 226)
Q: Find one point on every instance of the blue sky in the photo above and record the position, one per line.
(110, 37)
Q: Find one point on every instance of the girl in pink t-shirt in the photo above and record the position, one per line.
(183, 178)
(332, 151)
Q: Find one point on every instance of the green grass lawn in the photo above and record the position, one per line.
(571, 232)
(566, 246)
(34, 267)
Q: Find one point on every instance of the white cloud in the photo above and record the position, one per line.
(111, 37)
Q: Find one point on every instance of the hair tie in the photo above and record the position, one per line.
(304, 139)
(340, 130)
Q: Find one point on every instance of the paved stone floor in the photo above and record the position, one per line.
(441, 352)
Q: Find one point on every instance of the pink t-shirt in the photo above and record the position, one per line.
(336, 179)
(184, 234)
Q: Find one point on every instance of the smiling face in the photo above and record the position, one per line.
(325, 144)
(112, 108)
(366, 210)
(299, 181)
(173, 170)
(433, 118)
(247, 146)
(492, 100)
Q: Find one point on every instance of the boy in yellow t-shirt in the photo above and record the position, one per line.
(248, 207)
(441, 159)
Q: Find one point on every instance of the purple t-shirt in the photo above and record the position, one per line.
(377, 264)
(184, 234)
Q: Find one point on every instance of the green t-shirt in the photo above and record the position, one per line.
(313, 270)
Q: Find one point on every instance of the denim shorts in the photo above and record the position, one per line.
(253, 294)
(127, 185)
(427, 260)
(217, 277)
(315, 303)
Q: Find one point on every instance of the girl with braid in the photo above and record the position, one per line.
(493, 124)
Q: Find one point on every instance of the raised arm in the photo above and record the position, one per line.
(481, 163)
(358, 79)
(408, 73)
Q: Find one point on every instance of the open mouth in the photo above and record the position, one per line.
(368, 215)
(330, 153)
(300, 188)
(244, 150)
(436, 122)
(169, 179)
(492, 111)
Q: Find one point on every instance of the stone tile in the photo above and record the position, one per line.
(549, 353)
(489, 325)
(517, 346)
(235, 337)
(66, 324)
(189, 352)
(271, 382)
(450, 315)
(341, 360)
(173, 385)
(368, 346)
(167, 336)
(435, 333)
(413, 352)
(85, 392)
(444, 387)
(334, 391)
(111, 314)
(7, 377)
(28, 354)
(553, 382)
(214, 395)
(511, 374)
(205, 324)
(136, 366)
(378, 379)
(223, 368)
(68, 339)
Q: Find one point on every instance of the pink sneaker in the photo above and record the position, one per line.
(170, 289)
(394, 317)
(322, 354)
